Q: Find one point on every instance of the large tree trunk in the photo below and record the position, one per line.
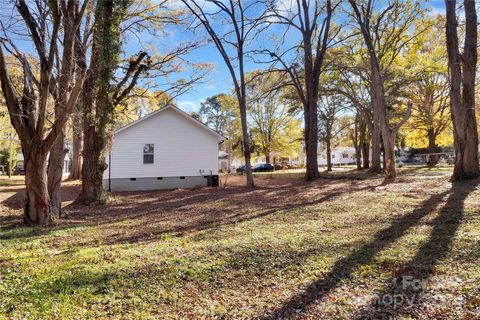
(310, 112)
(57, 153)
(389, 156)
(77, 138)
(98, 104)
(462, 90)
(376, 166)
(93, 168)
(55, 174)
(381, 119)
(94, 141)
(432, 148)
(311, 135)
(38, 209)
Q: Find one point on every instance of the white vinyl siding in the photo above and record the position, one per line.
(182, 147)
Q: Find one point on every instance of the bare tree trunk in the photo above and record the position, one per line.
(77, 138)
(384, 159)
(38, 210)
(432, 148)
(311, 130)
(358, 157)
(389, 156)
(366, 155)
(380, 115)
(376, 166)
(363, 145)
(57, 153)
(93, 168)
(357, 142)
(462, 90)
(329, 155)
(267, 157)
(245, 136)
(55, 173)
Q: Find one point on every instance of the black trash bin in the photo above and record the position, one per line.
(215, 181)
(212, 181)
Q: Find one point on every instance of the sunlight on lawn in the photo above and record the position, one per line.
(283, 249)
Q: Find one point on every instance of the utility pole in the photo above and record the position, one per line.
(10, 154)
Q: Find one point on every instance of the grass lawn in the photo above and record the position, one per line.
(331, 249)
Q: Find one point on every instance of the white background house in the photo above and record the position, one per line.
(340, 155)
(165, 149)
(67, 163)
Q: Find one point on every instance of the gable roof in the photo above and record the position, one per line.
(178, 111)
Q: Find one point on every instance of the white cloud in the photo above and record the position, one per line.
(189, 105)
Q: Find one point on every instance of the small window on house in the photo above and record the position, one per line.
(148, 153)
(345, 155)
(333, 156)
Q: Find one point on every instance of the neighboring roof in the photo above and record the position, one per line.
(180, 112)
(222, 155)
(344, 149)
(322, 148)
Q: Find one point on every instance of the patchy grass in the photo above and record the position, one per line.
(350, 172)
(331, 249)
(13, 181)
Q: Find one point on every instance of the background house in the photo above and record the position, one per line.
(340, 155)
(67, 163)
(163, 150)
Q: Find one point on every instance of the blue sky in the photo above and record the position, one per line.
(218, 80)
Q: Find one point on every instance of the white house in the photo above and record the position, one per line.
(67, 163)
(340, 155)
(223, 162)
(165, 149)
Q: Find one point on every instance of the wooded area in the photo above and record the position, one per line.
(356, 66)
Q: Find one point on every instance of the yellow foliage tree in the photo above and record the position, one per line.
(430, 123)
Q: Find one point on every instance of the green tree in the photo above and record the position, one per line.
(386, 32)
(5, 158)
(329, 111)
(300, 58)
(275, 127)
(217, 112)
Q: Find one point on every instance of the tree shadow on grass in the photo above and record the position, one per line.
(145, 216)
(184, 221)
(13, 232)
(404, 295)
(343, 269)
